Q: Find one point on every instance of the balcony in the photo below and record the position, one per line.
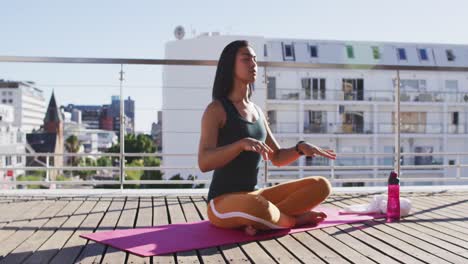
(296, 94)
(366, 128)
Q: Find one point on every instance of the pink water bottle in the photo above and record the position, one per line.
(393, 202)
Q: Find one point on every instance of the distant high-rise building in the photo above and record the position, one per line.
(106, 121)
(106, 117)
(28, 103)
(129, 111)
(156, 132)
(90, 114)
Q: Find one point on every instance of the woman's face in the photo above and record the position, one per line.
(245, 68)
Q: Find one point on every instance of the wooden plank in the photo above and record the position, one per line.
(444, 217)
(394, 239)
(52, 246)
(443, 222)
(358, 246)
(177, 217)
(302, 253)
(14, 212)
(30, 227)
(144, 219)
(75, 244)
(390, 253)
(278, 252)
(254, 251)
(339, 247)
(93, 252)
(161, 217)
(126, 221)
(433, 244)
(30, 245)
(457, 208)
(232, 253)
(208, 255)
(318, 248)
(436, 224)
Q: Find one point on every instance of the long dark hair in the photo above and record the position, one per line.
(224, 79)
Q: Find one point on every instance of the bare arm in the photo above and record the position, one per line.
(211, 157)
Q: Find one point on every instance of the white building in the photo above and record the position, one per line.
(12, 141)
(28, 102)
(348, 110)
(92, 140)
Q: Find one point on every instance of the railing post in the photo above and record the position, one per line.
(265, 80)
(47, 169)
(332, 170)
(122, 131)
(397, 162)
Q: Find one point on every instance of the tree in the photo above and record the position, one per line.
(86, 162)
(152, 175)
(135, 144)
(72, 145)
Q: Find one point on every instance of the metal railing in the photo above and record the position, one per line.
(369, 163)
(369, 95)
(121, 167)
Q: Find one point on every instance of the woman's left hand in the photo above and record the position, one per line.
(312, 151)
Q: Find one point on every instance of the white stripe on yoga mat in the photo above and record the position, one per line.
(244, 215)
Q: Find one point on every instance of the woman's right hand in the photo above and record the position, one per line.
(251, 144)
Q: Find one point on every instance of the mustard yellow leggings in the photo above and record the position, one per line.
(269, 208)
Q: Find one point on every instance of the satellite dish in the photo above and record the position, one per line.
(179, 32)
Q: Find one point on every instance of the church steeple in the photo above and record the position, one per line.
(53, 119)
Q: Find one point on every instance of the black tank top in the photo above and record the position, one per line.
(240, 174)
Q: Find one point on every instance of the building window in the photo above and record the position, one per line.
(423, 54)
(10, 101)
(353, 89)
(18, 159)
(401, 53)
(4, 93)
(271, 87)
(313, 51)
(10, 93)
(455, 118)
(314, 88)
(376, 53)
(265, 52)
(350, 51)
(4, 101)
(8, 160)
(450, 55)
(288, 52)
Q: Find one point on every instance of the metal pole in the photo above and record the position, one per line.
(47, 170)
(397, 122)
(122, 131)
(265, 172)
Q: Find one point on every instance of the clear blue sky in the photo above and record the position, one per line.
(139, 29)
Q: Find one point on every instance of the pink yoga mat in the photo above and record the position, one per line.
(172, 238)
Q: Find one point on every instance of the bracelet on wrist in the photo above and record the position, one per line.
(297, 147)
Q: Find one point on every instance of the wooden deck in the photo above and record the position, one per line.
(47, 229)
